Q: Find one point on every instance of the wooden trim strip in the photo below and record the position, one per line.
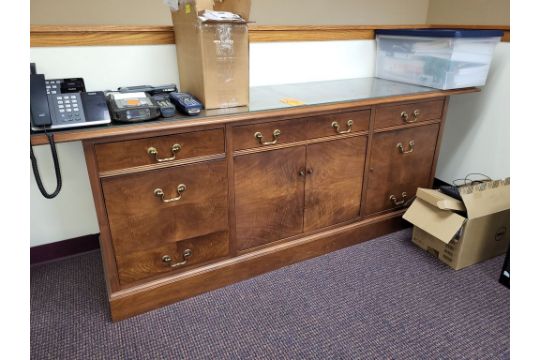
(94, 35)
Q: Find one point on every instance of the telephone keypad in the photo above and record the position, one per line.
(67, 108)
(52, 86)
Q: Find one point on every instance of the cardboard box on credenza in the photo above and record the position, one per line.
(442, 229)
(213, 57)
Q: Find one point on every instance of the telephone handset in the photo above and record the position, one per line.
(59, 104)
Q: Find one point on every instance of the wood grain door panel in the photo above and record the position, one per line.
(141, 220)
(394, 173)
(335, 170)
(269, 196)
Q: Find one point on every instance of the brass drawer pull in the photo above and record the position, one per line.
(403, 151)
(275, 135)
(152, 151)
(185, 256)
(180, 189)
(335, 125)
(405, 116)
(399, 202)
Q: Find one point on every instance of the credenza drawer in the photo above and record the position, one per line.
(158, 207)
(400, 162)
(178, 256)
(162, 149)
(268, 133)
(403, 114)
(337, 124)
(287, 131)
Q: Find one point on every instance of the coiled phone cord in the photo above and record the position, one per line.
(50, 137)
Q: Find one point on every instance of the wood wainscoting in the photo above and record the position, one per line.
(98, 35)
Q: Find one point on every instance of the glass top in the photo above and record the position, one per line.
(265, 98)
(323, 92)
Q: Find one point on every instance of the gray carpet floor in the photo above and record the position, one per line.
(383, 299)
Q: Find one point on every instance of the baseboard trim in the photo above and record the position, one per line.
(61, 249)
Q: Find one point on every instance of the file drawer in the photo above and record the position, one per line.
(162, 149)
(159, 207)
(178, 256)
(404, 114)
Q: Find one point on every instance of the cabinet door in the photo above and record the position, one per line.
(400, 162)
(335, 170)
(269, 196)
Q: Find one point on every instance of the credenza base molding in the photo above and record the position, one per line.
(152, 295)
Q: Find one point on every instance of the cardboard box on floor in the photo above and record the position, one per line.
(213, 57)
(441, 228)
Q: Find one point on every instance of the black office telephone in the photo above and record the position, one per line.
(63, 103)
(59, 104)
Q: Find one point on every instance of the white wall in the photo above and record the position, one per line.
(477, 132)
(72, 213)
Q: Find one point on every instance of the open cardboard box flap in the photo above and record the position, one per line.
(443, 224)
(440, 200)
(432, 212)
(487, 198)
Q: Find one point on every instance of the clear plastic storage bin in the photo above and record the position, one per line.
(438, 58)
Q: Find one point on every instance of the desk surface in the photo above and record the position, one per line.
(267, 101)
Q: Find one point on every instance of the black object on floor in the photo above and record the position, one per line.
(505, 273)
(381, 299)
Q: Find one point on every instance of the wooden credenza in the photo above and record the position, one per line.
(189, 206)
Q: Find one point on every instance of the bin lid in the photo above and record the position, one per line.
(448, 33)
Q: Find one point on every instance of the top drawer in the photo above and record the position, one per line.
(162, 149)
(287, 131)
(336, 124)
(269, 133)
(403, 114)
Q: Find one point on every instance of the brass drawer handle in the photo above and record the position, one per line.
(403, 151)
(399, 202)
(152, 151)
(275, 135)
(335, 125)
(180, 189)
(185, 256)
(405, 116)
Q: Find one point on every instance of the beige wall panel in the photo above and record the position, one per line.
(264, 12)
(470, 12)
(99, 12)
(342, 12)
